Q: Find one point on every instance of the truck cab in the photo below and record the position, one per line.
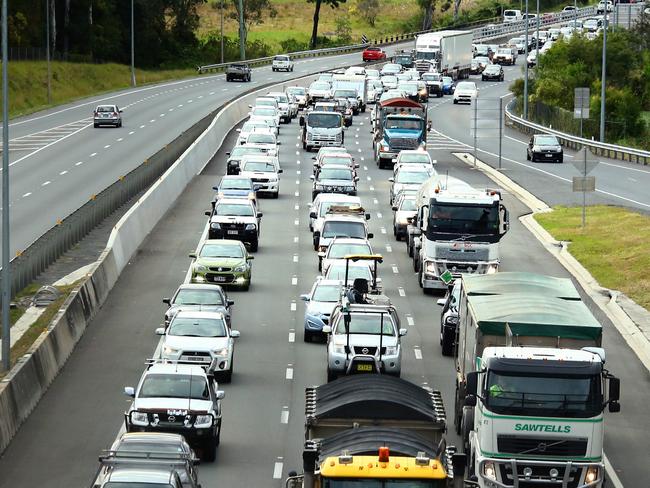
(321, 129)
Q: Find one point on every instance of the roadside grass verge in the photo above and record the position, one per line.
(23, 344)
(72, 81)
(613, 246)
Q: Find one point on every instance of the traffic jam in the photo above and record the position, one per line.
(531, 386)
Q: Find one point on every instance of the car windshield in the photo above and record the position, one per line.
(392, 67)
(236, 184)
(547, 140)
(403, 123)
(281, 98)
(335, 160)
(504, 51)
(257, 138)
(408, 86)
(372, 73)
(198, 297)
(548, 395)
(238, 209)
(135, 484)
(389, 79)
(431, 77)
(340, 250)
(326, 293)
(447, 80)
(296, 90)
(367, 323)
(320, 85)
(281, 58)
(251, 126)
(493, 68)
(263, 111)
(106, 108)
(258, 166)
(344, 229)
(412, 176)
(464, 219)
(466, 85)
(131, 445)
(325, 206)
(324, 121)
(219, 250)
(483, 59)
(337, 272)
(197, 327)
(345, 94)
(157, 385)
(335, 174)
(408, 204)
(265, 102)
(242, 150)
(414, 158)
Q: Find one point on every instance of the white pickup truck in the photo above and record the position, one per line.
(282, 63)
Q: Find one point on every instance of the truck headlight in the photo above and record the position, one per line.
(489, 470)
(215, 226)
(203, 421)
(391, 350)
(250, 227)
(592, 474)
(431, 267)
(139, 418)
(492, 268)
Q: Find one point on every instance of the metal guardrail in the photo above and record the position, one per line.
(612, 151)
(486, 30)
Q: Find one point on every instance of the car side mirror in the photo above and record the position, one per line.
(312, 215)
(356, 165)
(230, 302)
(614, 390)
(394, 208)
(220, 394)
(129, 391)
(160, 331)
(280, 171)
(367, 216)
(278, 143)
(250, 258)
(208, 213)
(167, 301)
(370, 235)
(327, 329)
(321, 254)
(402, 332)
(215, 188)
(235, 334)
(312, 177)
(250, 106)
(441, 302)
(259, 215)
(237, 130)
(356, 178)
(192, 255)
(391, 179)
(120, 110)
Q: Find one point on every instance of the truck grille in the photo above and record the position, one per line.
(230, 226)
(260, 180)
(370, 350)
(325, 138)
(423, 66)
(461, 267)
(542, 446)
(540, 477)
(401, 143)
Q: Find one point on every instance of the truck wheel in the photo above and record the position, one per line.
(447, 341)
(409, 247)
(416, 262)
(467, 425)
(458, 416)
(254, 246)
(331, 376)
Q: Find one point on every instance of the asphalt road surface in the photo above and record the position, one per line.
(82, 411)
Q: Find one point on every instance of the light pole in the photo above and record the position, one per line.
(242, 42)
(221, 31)
(6, 272)
(132, 47)
(537, 40)
(47, 52)
(603, 78)
(525, 115)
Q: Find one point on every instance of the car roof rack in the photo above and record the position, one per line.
(209, 368)
(354, 209)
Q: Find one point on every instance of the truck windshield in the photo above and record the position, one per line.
(384, 483)
(543, 395)
(402, 123)
(324, 121)
(426, 54)
(367, 323)
(463, 219)
(174, 386)
(344, 229)
(345, 94)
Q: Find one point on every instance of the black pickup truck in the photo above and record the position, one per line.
(238, 71)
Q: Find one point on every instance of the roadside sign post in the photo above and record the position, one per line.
(581, 105)
(6, 269)
(584, 162)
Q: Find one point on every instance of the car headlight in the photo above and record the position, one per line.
(203, 421)
(322, 248)
(310, 136)
(383, 146)
(251, 227)
(391, 350)
(215, 226)
(199, 268)
(319, 186)
(169, 350)
(338, 349)
(535, 148)
(139, 418)
(221, 352)
(489, 470)
(452, 320)
(592, 474)
(492, 268)
(240, 269)
(431, 267)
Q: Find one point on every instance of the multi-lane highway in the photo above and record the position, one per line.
(262, 436)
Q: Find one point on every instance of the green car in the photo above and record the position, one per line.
(222, 261)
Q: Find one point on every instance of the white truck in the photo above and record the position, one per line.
(531, 385)
(347, 84)
(447, 52)
(457, 229)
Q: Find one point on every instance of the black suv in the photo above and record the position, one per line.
(238, 71)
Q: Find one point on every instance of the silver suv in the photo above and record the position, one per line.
(107, 115)
(363, 338)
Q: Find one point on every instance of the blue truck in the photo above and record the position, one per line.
(398, 124)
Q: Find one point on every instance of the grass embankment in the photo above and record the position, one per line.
(613, 246)
(71, 81)
(20, 348)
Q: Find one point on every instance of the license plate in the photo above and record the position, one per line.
(233, 232)
(364, 367)
(218, 278)
(549, 155)
(194, 358)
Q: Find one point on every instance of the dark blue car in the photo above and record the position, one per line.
(447, 85)
(235, 186)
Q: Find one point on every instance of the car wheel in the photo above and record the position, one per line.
(527, 156)
(227, 376)
(276, 195)
(331, 376)
(210, 448)
(439, 94)
(455, 102)
(95, 125)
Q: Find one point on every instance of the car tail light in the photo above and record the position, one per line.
(114, 114)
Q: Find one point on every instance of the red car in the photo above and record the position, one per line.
(373, 54)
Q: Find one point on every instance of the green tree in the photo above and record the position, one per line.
(254, 12)
(427, 6)
(317, 5)
(369, 10)
(343, 29)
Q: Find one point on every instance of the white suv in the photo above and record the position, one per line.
(282, 62)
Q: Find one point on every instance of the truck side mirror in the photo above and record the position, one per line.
(472, 383)
(614, 394)
(470, 401)
(506, 220)
(459, 462)
(302, 121)
(312, 215)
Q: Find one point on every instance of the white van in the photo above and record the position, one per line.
(512, 16)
